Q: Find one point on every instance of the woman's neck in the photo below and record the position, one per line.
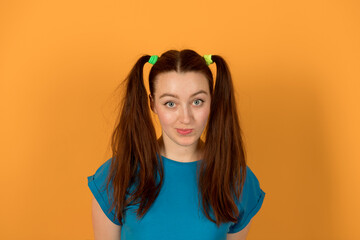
(186, 154)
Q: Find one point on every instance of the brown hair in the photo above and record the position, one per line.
(134, 162)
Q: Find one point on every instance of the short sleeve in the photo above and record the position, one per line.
(97, 185)
(251, 200)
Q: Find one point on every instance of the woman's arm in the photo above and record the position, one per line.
(103, 228)
(239, 235)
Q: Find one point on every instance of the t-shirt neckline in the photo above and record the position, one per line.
(180, 163)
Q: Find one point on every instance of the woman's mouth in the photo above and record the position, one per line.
(184, 131)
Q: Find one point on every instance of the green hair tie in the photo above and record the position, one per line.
(153, 59)
(208, 59)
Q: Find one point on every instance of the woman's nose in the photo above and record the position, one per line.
(185, 115)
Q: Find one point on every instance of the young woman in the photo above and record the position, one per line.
(178, 186)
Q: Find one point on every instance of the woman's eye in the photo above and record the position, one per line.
(170, 104)
(198, 102)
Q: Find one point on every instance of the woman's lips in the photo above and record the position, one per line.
(184, 131)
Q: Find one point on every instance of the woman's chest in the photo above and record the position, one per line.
(175, 214)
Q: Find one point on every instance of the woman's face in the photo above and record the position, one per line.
(182, 103)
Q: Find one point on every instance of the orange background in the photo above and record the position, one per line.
(295, 66)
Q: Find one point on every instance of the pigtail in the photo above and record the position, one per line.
(134, 146)
(224, 169)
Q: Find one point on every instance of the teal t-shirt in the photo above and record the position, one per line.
(175, 213)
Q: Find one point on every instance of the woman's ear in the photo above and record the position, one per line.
(152, 104)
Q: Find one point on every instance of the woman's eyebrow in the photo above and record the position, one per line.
(176, 96)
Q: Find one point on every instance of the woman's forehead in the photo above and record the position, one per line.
(181, 84)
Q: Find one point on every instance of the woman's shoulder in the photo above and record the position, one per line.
(97, 184)
(104, 168)
(99, 178)
(251, 180)
(250, 174)
(251, 191)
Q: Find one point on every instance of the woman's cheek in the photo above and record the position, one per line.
(203, 113)
(168, 116)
